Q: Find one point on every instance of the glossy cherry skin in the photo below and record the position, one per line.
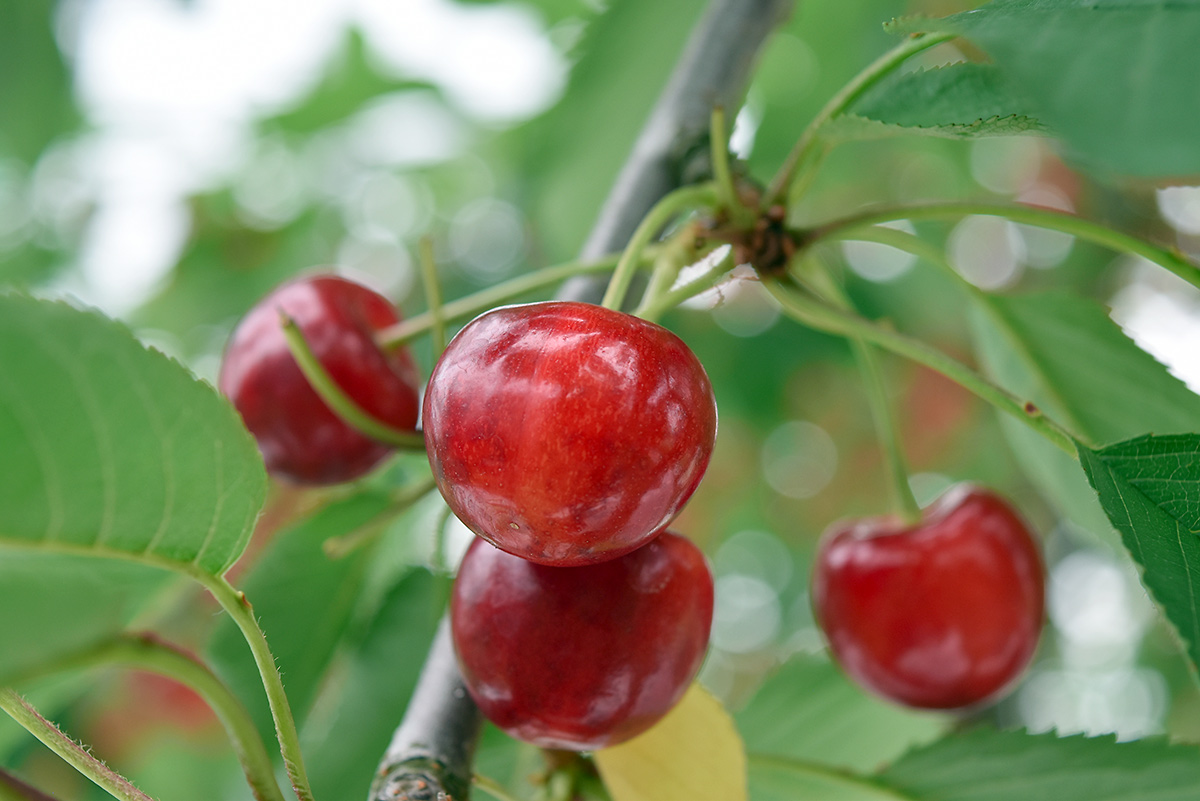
(567, 433)
(581, 658)
(301, 439)
(940, 615)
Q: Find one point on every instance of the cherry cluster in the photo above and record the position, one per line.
(568, 436)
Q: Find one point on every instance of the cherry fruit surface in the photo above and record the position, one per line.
(567, 433)
(940, 615)
(301, 439)
(581, 658)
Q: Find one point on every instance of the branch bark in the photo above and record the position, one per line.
(430, 756)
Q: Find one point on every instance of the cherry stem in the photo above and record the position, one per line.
(71, 752)
(338, 401)
(802, 154)
(433, 296)
(666, 210)
(812, 312)
(654, 307)
(234, 602)
(342, 546)
(727, 194)
(1052, 219)
(904, 503)
(147, 652)
(471, 305)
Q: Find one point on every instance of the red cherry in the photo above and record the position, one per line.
(301, 439)
(567, 433)
(940, 615)
(581, 658)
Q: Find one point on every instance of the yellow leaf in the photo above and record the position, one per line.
(693, 754)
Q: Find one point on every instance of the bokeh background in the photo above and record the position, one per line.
(170, 161)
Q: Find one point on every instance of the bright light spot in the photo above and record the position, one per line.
(1180, 206)
(877, 262)
(745, 128)
(487, 237)
(986, 251)
(1099, 609)
(380, 256)
(1042, 247)
(269, 188)
(747, 614)
(411, 128)
(745, 309)
(382, 202)
(756, 553)
(129, 248)
(1128, 702)
(799, 459)
(1006, 165)
(694, 272)
(1161, 313)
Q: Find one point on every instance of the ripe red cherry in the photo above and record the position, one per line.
(300, 438)
(940, 615)
(567, 433)
(581, 658)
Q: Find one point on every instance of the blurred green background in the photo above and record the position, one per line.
(170, 161)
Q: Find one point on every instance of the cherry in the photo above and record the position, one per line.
(301, 439)
(939, 615)
(567, 433)
(581, 658)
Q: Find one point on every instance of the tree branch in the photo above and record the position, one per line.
(429, 758)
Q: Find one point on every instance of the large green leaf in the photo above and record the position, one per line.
(1115, 78)
(958, 101)
(111, 449)
(304, 602)
(1150, 488)
(828, 719)
(1066, 355)
(988, 765)
(785, 780)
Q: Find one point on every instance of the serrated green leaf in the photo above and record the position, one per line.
(1150, 489)
(111, 449)
(956, 102)
(828, 719)
(303, 601)
(1065, 354)
(1115, 78)
(988, 765)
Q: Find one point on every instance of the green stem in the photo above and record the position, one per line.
(337, 400)
(492, 787)
(781, 183)
(727, 194)
(654, 307)
(820, 316)
(341, 546)
(667, 209)
(397, 335)
(148, 652)
(856, 783)
(904, 503)
(1029, 215)
(234, 602)
(71, 752)
(433, 296)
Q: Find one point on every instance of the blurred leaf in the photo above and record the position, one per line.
(988, 765)
(1066, 355)
(36, 98)
(111, 449)
(808, 710)
(694, 753)
(956, 101)
(1115, 78)
(787, 780)
(304, 602)
(1149, 487)
(350, 729)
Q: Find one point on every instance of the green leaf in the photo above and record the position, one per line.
(304, 602)
(788, 780)
(1066, 355)
(808, 710)
(1115, 78)
(988, 765)
(110, 449)
(1150, 488)
(354, 718)
(957, 101)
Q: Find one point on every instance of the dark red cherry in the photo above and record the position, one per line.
(581, 658)
(300, 438)
(939, 615)
(567, 433)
